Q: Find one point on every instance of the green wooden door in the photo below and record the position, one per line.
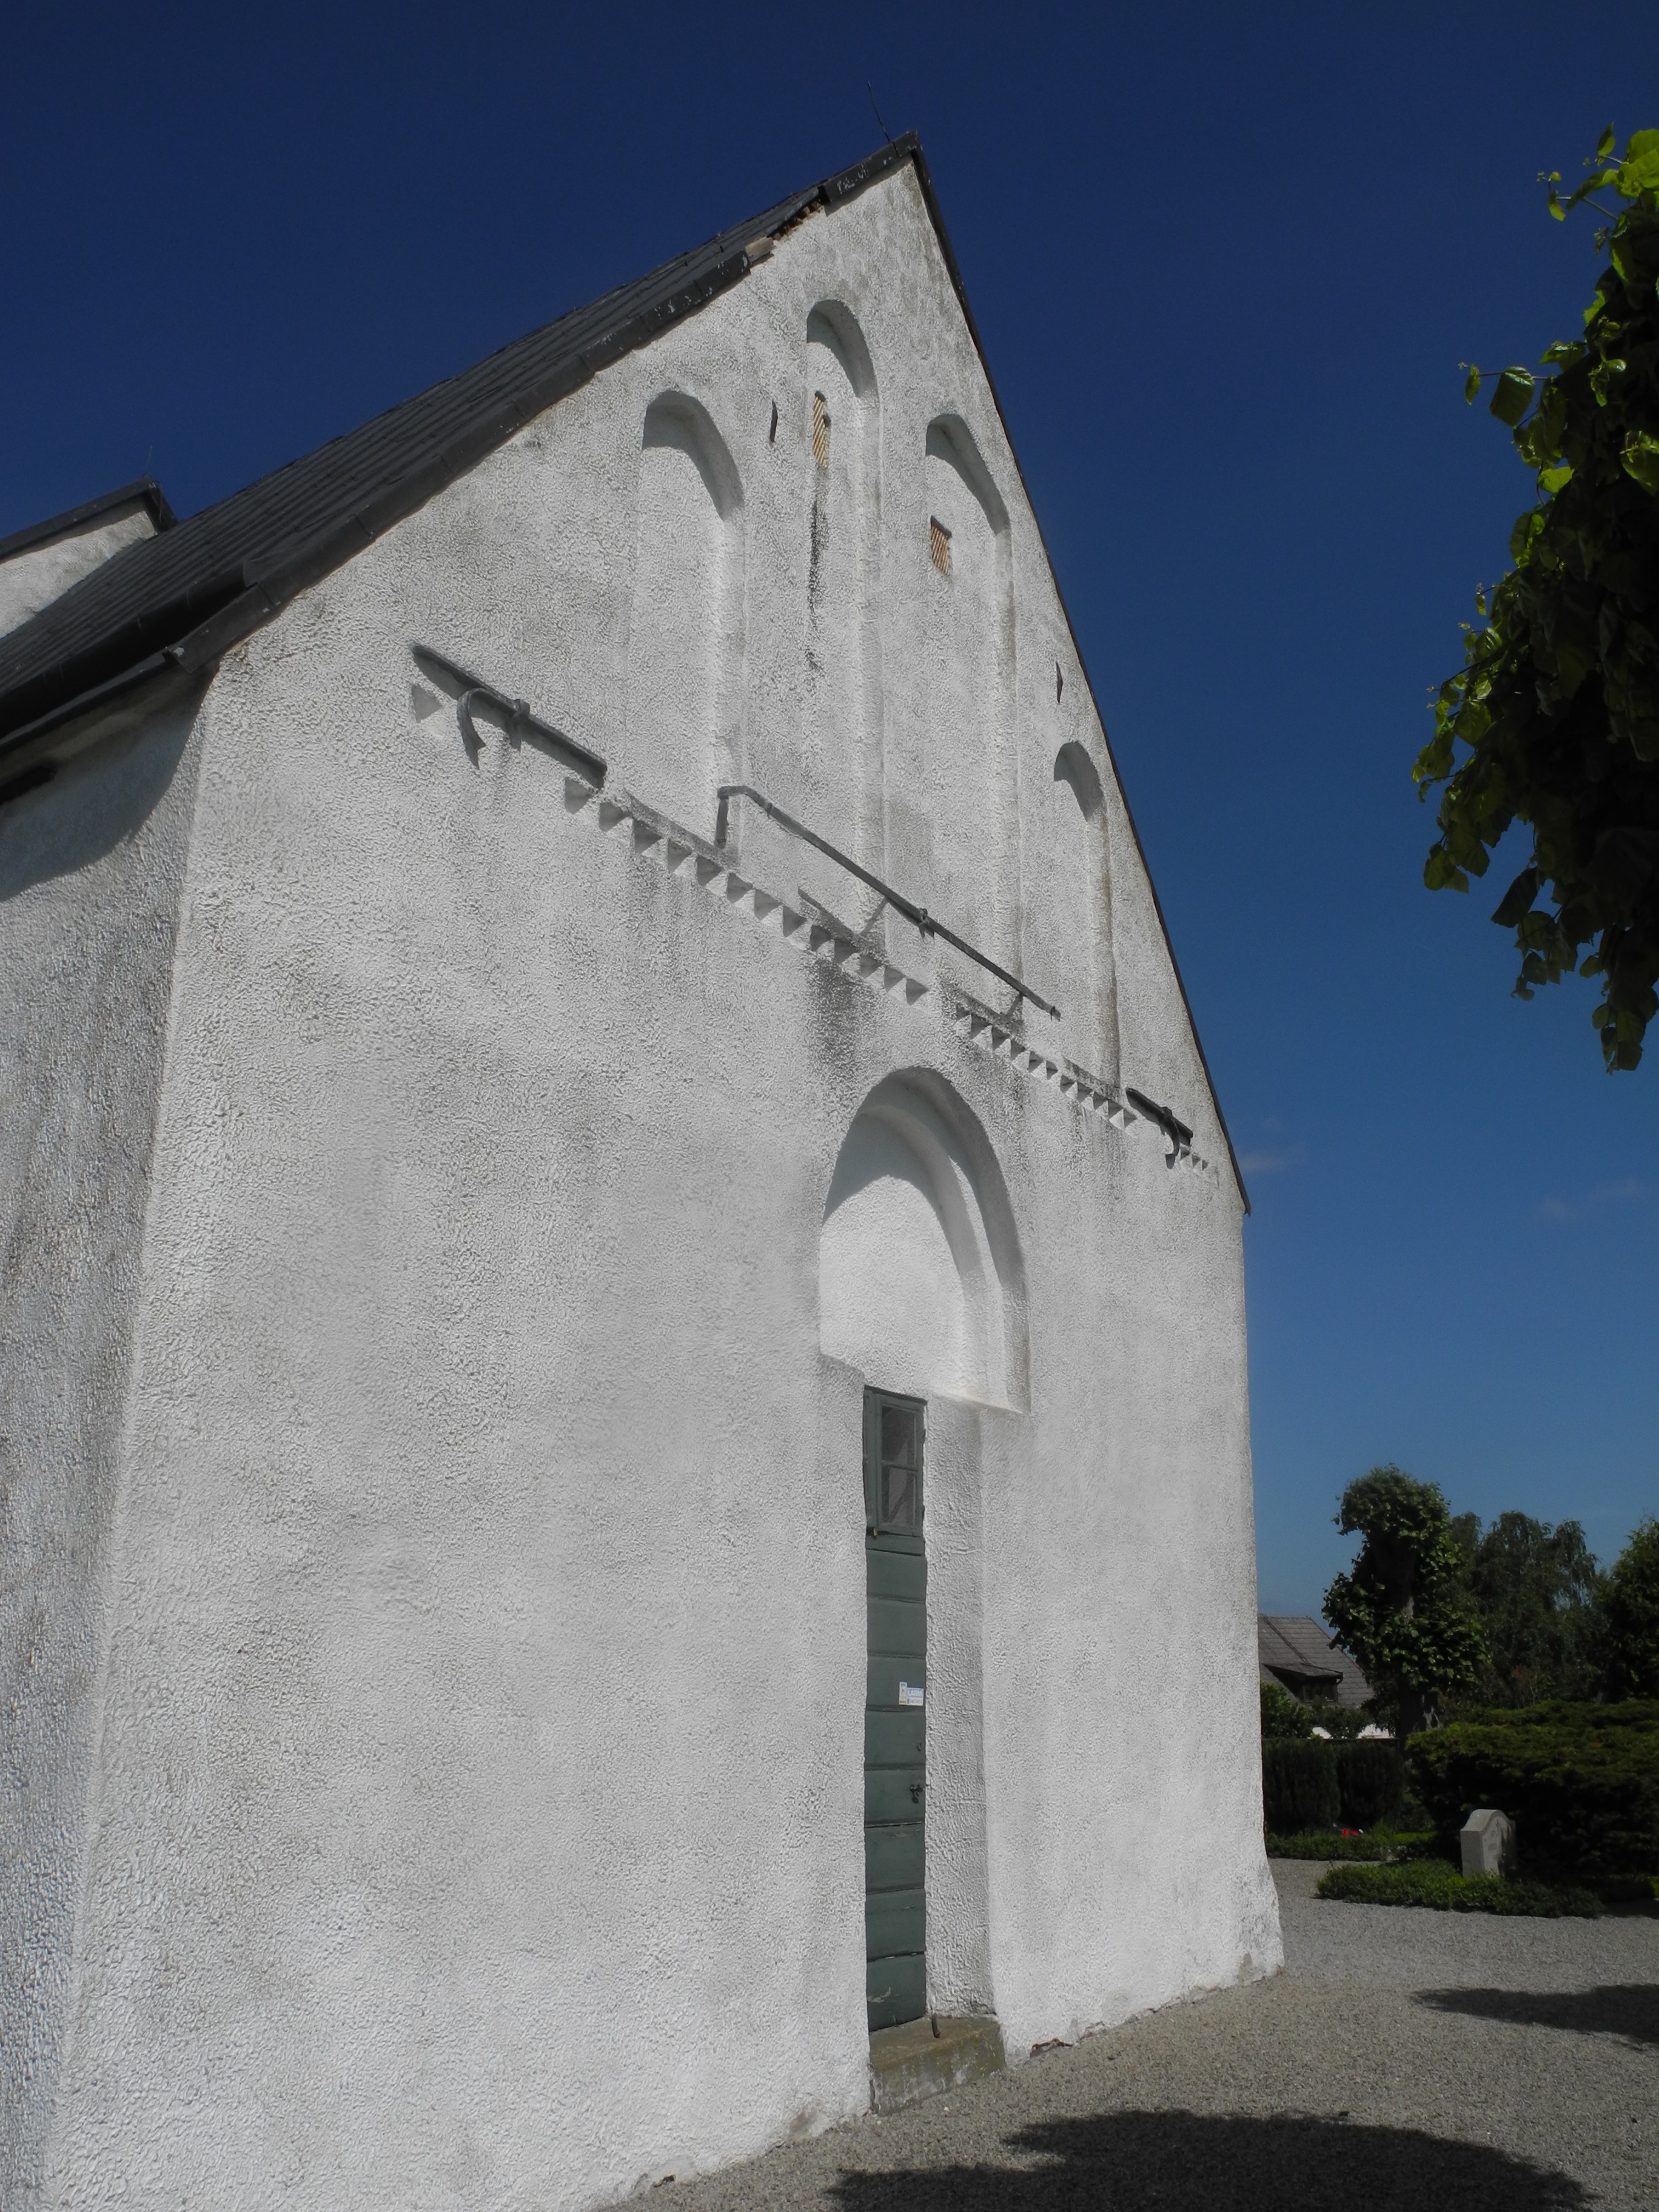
(895, 1712)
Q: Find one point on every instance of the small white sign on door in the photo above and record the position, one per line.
(910, 1693)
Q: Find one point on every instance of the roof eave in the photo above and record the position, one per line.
(143, 491)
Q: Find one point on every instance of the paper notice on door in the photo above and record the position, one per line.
(910, 1693)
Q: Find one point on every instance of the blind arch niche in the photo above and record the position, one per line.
(968, 709)
(841, 722)
(686, 634)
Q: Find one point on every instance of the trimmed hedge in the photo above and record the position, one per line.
(1298, 1786)
(1325, 1785)
(1433, 1883)
(1581, 1782)
(1371, 1778)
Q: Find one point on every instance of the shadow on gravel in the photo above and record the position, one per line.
(1197, 2162)
(1627, 2009)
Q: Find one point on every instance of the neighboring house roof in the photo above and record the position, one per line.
(173, 604)
(143, 491)
(1295, 1650)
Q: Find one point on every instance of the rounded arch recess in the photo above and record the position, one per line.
(922, 1281)
(675, 419)
(833, 324)
(686, 639)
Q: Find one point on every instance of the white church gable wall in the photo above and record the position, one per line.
(90, 871)
(487, 1651)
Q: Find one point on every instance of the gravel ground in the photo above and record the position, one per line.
(1403, 2059)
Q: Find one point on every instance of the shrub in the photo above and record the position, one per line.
(1434, 1883)
(1371, 1781)
(1282, 1716)
(1581, 1782)
(1630, 1605)
(1329, 1844)
(1342, 1723)
(1299, 1787)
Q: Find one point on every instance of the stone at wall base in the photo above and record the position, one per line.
(910, 2062)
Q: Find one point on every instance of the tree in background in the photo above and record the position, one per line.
(1283, 1719)
(1630, 1604)
(1404, 1612)
(1558, 703)
(1536, 1591)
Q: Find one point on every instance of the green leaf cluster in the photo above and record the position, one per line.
(1629, 1604)
(1285, 1719)
(1377, 1844)
(1538, 1595)
(1315, 1785)
(1371, 1778)
(1580, 1781)
(1341, 1723)
(1553, 721)
(1299, 1786)
(1434, 1883)
(1404, 1612)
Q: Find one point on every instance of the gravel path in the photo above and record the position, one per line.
(1403, 2059)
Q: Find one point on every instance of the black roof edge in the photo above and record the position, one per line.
(53, 698)
(308, 563)
(914, 145)
(142, 490)
(31, 739)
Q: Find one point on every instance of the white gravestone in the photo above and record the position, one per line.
(1488, 1842)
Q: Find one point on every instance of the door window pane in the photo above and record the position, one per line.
(894, 1436)
(898, 1497)
(900, 1428)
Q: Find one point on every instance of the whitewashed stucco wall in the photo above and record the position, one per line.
(480, 1798)
(90, 868)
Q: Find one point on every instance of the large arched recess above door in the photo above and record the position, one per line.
(922, 1281)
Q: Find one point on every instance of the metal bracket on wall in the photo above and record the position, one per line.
(518, 721)
(917, 915)
(1179, 1136)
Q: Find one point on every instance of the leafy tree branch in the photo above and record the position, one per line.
(1553, 721)
(1404, 1612)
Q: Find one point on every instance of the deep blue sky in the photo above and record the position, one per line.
(1225, 262)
